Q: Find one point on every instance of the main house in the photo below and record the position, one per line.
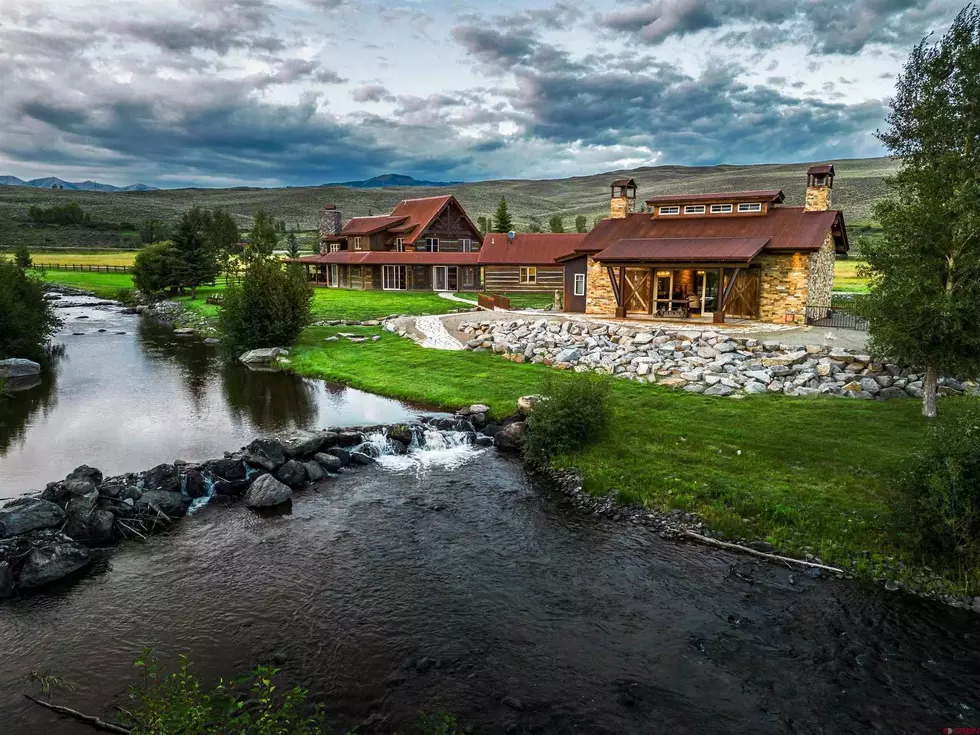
(428, 244)
(740, 254)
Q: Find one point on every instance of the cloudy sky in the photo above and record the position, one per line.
(303, 92)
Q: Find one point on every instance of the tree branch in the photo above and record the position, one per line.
(95, 722)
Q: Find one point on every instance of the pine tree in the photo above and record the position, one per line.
(197, 260)
(556, 223)
(292, 245)
(483, 224)
(501, 218)
(925, 269)
(262, 239)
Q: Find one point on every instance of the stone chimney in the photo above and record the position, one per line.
(819, 184)
(622, 201)
(330, 223)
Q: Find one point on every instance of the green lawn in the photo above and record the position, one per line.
(519, 300)
(846, 278)
(103, 285)
(816, 473)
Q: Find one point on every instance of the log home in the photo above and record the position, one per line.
(424, 244)
(525, 261)
(705, 256)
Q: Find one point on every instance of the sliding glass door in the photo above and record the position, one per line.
(393, 278)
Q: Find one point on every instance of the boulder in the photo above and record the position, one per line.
(226, 469)
(719, 390)
(785, 360)
(52, 559)
(82, 480)
(93, 528)
(305, 444)
(349, 438)
(193, 485)
(479, 420)
(162, 477)
(475, 408)
(527, 404)
(887, 394)
(314, 472)
(340, 453)
(292, 473)
(16, 367)
(266, 453)
(511, 437)
(401, 433)
(569, 355)
(230, 488)
(29, 514)
(263, 356)
(6, 580)
(169, 502)
(328, 462)
(266, 492)
(361, 458)
(753, 387)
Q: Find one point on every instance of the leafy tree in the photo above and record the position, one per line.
(27, 321)
(156, 269)
(575, 411)
(22, 257)
(153, 230)
(501, 218)
(262, 238)
(196, 257)
(292, 245)
(484, 224)
(269, 307)
(581, 223)
(59, 214)
(533, 224)
(925, 268)
(556, 223)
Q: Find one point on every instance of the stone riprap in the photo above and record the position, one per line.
(701, 361)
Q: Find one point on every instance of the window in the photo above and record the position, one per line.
(357, 243)
(750, 207)
(335, 247)
(529, 275)
(668, 210)
(399, 244)
(468, 275)
(393, 277)
(694, 209)
(579, 284)
(466, 245)
(334, 275)
(721, 208)
(432, 244)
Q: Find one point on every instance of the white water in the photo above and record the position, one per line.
(445, 450)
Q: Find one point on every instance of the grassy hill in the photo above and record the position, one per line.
(859, 183)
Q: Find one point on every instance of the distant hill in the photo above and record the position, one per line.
(392, 180)
(51, 182)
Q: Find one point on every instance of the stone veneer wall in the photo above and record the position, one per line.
(599, 296)
(817, 199)
(783, 296)
(820, 285)
(618, 208)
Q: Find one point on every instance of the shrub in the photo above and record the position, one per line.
(156, 268)
(943, 484)
(269, 307)
(27, 321)
(576, 410)
(22, 257)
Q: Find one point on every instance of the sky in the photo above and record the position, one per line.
(305, 92)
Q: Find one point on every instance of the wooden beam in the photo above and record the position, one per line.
(621, 311)
(615, 287)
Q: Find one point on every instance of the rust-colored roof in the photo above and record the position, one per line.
(787, 228)
(623, 182)
(528, 248)
(390, 257)
(684, 249)
(774, 196)
(421, 212)
(826, 168)
(370, 225)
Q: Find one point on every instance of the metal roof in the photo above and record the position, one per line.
(390, 257)
(528, 248)
(826, 168)
(370, 225)
(684, 250)
(774, 196)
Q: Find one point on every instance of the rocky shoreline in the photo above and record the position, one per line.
(706, 362)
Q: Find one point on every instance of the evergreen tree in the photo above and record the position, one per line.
(197, 259)
(556, 223)
(533, 224)
(484, 225)
(581, 223)
(501, 218)
(925, 269)
(292, 245)
(153, 230)
(22, 257)
(262, 239)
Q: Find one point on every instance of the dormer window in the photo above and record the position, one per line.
(694, 209)
(357, 243)
(750, 207)
(335, 247)
(721, 208)
(399, 244)
(663, 211)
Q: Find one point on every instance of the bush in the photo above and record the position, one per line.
(269, 307)
(943, 485)
(576, 410)
(156, 268)
(22, 257)
(27, 321)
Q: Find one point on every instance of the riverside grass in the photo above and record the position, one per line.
(810, 475)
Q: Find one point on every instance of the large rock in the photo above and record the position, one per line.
(719, 390)
(329, 462)
(261, 357)
(171, 503)
(304, 445)
(29, 514)
(16, 367)
(527, 404)
(227, 469)
(402, 433)
(785, 360)
(342, 455)
(512, 436)
(569, 355)
(193, 485)
(266, 453)
(349, 438)
(7, 580)
(82, 480)
(314, 472)
(266, 492)
(292, 473)
(93, 528)
(51, 559)
(162, 477)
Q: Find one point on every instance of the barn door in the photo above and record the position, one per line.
(743, 293)
(639, 287)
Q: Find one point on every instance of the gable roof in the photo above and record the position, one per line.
(788, 229)
(690, 249)
(420, 214)
(370, 225)
(528, 248)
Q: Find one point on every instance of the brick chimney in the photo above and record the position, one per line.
(330, 223)
(819, 184)
(622, 199)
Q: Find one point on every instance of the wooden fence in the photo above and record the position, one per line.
(127, 269)
(491, 301)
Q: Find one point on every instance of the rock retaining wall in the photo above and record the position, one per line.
(708, 362)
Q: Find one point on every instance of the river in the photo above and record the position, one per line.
(539, 617)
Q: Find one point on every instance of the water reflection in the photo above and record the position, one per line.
(19, 407)
(198, 364)
(275, 401)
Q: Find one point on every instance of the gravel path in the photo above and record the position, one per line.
(436, 336)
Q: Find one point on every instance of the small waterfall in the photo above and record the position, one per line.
(430, 448)
(198, 503)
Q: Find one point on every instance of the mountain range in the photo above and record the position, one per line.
(52, 182)
(387, 180)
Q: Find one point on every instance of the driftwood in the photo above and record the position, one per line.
(753, 552)
(97, 723)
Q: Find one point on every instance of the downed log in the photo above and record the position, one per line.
(753, 552)
(97, 723)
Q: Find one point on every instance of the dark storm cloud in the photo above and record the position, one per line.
(827, 26)
(504, 51)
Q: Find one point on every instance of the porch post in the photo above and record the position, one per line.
(719, 317)
(621, 306)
